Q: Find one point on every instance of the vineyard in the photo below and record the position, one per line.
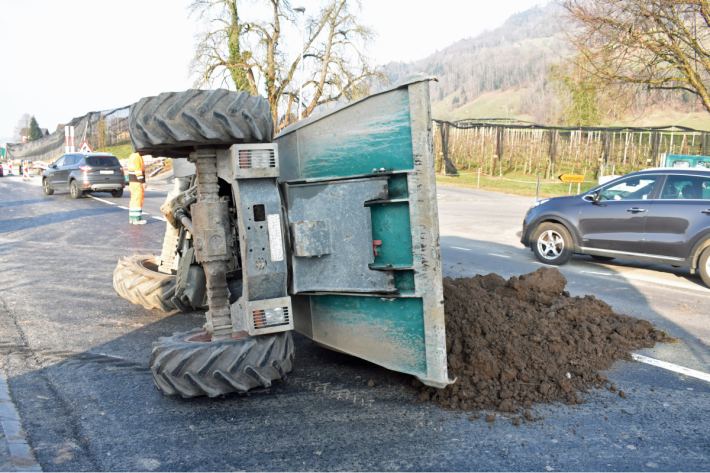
(495, 147)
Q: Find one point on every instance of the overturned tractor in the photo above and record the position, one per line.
(331, 230)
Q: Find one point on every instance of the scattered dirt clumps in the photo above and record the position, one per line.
(513, 343)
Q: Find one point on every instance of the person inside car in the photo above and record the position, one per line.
(690, 192)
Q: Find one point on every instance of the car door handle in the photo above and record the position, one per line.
(635, 209)
(706, 211)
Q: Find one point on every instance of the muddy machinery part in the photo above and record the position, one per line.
(332, 230)
(360, 192)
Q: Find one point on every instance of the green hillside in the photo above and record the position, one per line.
(507, 104)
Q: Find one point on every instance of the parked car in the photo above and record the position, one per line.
(658, 215)
(83, 174)
(686, 161)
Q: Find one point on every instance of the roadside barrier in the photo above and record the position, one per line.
(9, 167)
(25, 171)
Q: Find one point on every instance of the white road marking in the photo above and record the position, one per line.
(159, 218)
(671, 367)
(101, 200)
(652, 280)
(122, 207)
(665, 283)
(499, 256)
(543, 264)
(459, 248)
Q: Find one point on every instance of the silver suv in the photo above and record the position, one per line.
(83, 174)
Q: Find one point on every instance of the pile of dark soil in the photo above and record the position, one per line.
(525, 340)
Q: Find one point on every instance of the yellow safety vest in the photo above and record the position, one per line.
(136, 168)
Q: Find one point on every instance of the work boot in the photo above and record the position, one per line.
(135, 214)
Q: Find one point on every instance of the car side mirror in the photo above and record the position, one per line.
(52, 166)
(593, 197)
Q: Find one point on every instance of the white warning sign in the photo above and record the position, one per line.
(85, 148)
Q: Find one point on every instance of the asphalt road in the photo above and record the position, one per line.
(76, 358)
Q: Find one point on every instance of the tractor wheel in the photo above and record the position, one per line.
(173, 122)
(136, 279)
(190, 364)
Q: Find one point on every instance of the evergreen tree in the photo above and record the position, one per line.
(35, 132)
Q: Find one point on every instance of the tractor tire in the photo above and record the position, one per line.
(172, 123)
(136, 279)
(190, 364)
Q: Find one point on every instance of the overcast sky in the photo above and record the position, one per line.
(61, 59)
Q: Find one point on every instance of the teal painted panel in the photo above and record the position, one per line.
(404, 281)
(389, 332)
(397, 187)
(373, 134)
(390, 223)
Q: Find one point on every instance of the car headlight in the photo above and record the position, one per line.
(538, 202)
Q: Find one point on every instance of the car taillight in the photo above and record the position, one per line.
(85, 168)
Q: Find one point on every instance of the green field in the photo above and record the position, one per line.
(121, 152)
(489, 105)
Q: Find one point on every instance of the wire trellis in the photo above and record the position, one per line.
(500, 145)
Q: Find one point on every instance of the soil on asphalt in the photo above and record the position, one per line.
(525, 340)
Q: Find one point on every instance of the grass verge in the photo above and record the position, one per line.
(121, 152)
(508, 185)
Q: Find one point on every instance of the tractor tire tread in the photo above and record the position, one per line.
(140, 285)
(174, 122)
(215, 368)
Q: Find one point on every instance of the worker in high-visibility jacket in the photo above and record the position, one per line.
(136, 182)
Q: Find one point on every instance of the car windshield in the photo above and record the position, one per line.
(102, 161)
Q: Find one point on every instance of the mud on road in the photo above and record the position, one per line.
(525, 340)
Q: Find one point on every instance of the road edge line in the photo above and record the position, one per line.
(671, 367)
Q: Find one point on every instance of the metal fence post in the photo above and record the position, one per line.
(478, 185)
(537, 192)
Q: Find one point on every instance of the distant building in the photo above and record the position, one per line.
(25, 132)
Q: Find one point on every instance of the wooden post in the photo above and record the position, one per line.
(499, 148)
(552, 134)
(537, 192)
(655, 145)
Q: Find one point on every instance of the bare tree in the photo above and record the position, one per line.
(251, 54)
(23, 126)
(643, 44)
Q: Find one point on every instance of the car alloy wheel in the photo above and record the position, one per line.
(550, 244)
(45, 187)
